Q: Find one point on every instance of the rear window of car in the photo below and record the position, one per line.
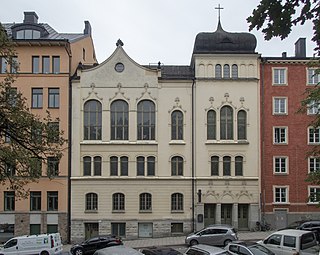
(308, 240)
(289, 241)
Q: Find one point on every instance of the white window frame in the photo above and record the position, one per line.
(315, 162)
(309, 194)
(286, 162)
(285, 129)
(315, 136)
(278, 105)
(280, 80)
(286, 188)
(313, 107)
(312, 79)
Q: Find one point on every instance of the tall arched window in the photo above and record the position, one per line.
(226, 123)
(87, 166)
(215, 166)
(239, 166)
(218, 71)
(97, 166)
(119, 120)
(234, 71)
(146, 120)
(177, 125)
(113, 166)
(226, 166)
(177, 202)
(226, 71)
(177, 166)
(211, 125)
(91, 201)
(140, 166)
(151, 166)
(242, 125)
(118, 202)
(124, 166)
(92, 120)
(145, 202)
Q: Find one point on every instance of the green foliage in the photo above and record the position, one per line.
(276, 17)
(26, 140)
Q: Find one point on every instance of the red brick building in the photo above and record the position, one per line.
(286, 138)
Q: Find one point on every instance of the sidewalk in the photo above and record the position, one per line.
(179, 240)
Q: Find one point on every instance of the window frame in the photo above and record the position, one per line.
(146, 110)
(313, 195)
(46, 64)
(54, 98)
(9, 201)
(280, 107)
(177, 165)
(226, 165)
(312, 76)
(35, 64)
(315, 165)
(177, 202)
(280, 165)
(214, 165)
(177, 124)
(238, 165)
(280, 190)
(278, 141)
(36, 98)
(52, 166)
(118, 202)
(242, 125)
(91, 200)
(278, 81)
(211, 125)
(56, 64)
(35, 200)
(119, 120)
(145, 202)
(52, 200)
(226, 123)
(92, 131)
(314, 137)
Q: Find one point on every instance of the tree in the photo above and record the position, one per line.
(279, 16)
(26, 140)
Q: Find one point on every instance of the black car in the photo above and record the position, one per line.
(311, 225)
(89, 246)
(159, 251)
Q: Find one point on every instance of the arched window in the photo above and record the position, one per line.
(118, 202)
(218, 71)
(146, 120)
(145, 202)
(211, 125)
(215, 166)
(226, 71)
(242, 125)
(92, 120)
(177, 125)
(226, 166)
(239, 166)
(87, 166)
(234, 73)
(177, 202)
(226, 123)
(151, 166)
(124, 166)
(113, 166)
(91, 201)
(177, 166)
(119, 120)
(140, 166)
(97, 166)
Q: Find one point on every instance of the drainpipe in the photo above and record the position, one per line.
(262, 182)
(193, 153)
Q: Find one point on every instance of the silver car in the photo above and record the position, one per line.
(219, 235)
(203, 249)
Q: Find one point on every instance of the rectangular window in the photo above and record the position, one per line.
(10, 169)
(313, 76)
(45, 64)
(37, 98)
(56, 64)
(280, 195)
(314, 195)
(279, 76)
(314, 164)
(280, 165)
(14, 65)
(114, 166)
(279, 105)
(53, 97)
(35, 200)
(124, 166)
(53, 166)
(53, 132)
(313, 107)
(35, 229)
(314, 135)
(52, 200)
(52, 228)
(118, 229)
(176, 228)
(3, 65)
(151, 162)
(280, 135)
(140, 166)
(9, 201)
(35, 64)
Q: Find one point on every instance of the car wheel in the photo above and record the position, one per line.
(193, 242)
(44, 253)
(226, 242)
(78, 252)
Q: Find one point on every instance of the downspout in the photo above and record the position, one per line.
(262, 183)
(193, 153)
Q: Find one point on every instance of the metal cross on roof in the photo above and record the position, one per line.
(219, 8)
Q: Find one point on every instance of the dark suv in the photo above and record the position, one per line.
(311, 225)
(95, 243)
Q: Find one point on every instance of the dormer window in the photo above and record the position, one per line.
(28, 34)
(28, 31)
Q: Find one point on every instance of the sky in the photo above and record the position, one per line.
(152, 31)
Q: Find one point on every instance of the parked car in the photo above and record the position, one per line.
(118, 250)
(219, 235)
(203, 249)
(292, 242)
(311, 225)
(159, 251)
(247, 248)
(89, 246)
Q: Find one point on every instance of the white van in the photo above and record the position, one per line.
(43, 244)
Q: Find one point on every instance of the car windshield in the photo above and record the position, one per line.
(258, 249)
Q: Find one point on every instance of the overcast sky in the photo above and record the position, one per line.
(152, 31)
